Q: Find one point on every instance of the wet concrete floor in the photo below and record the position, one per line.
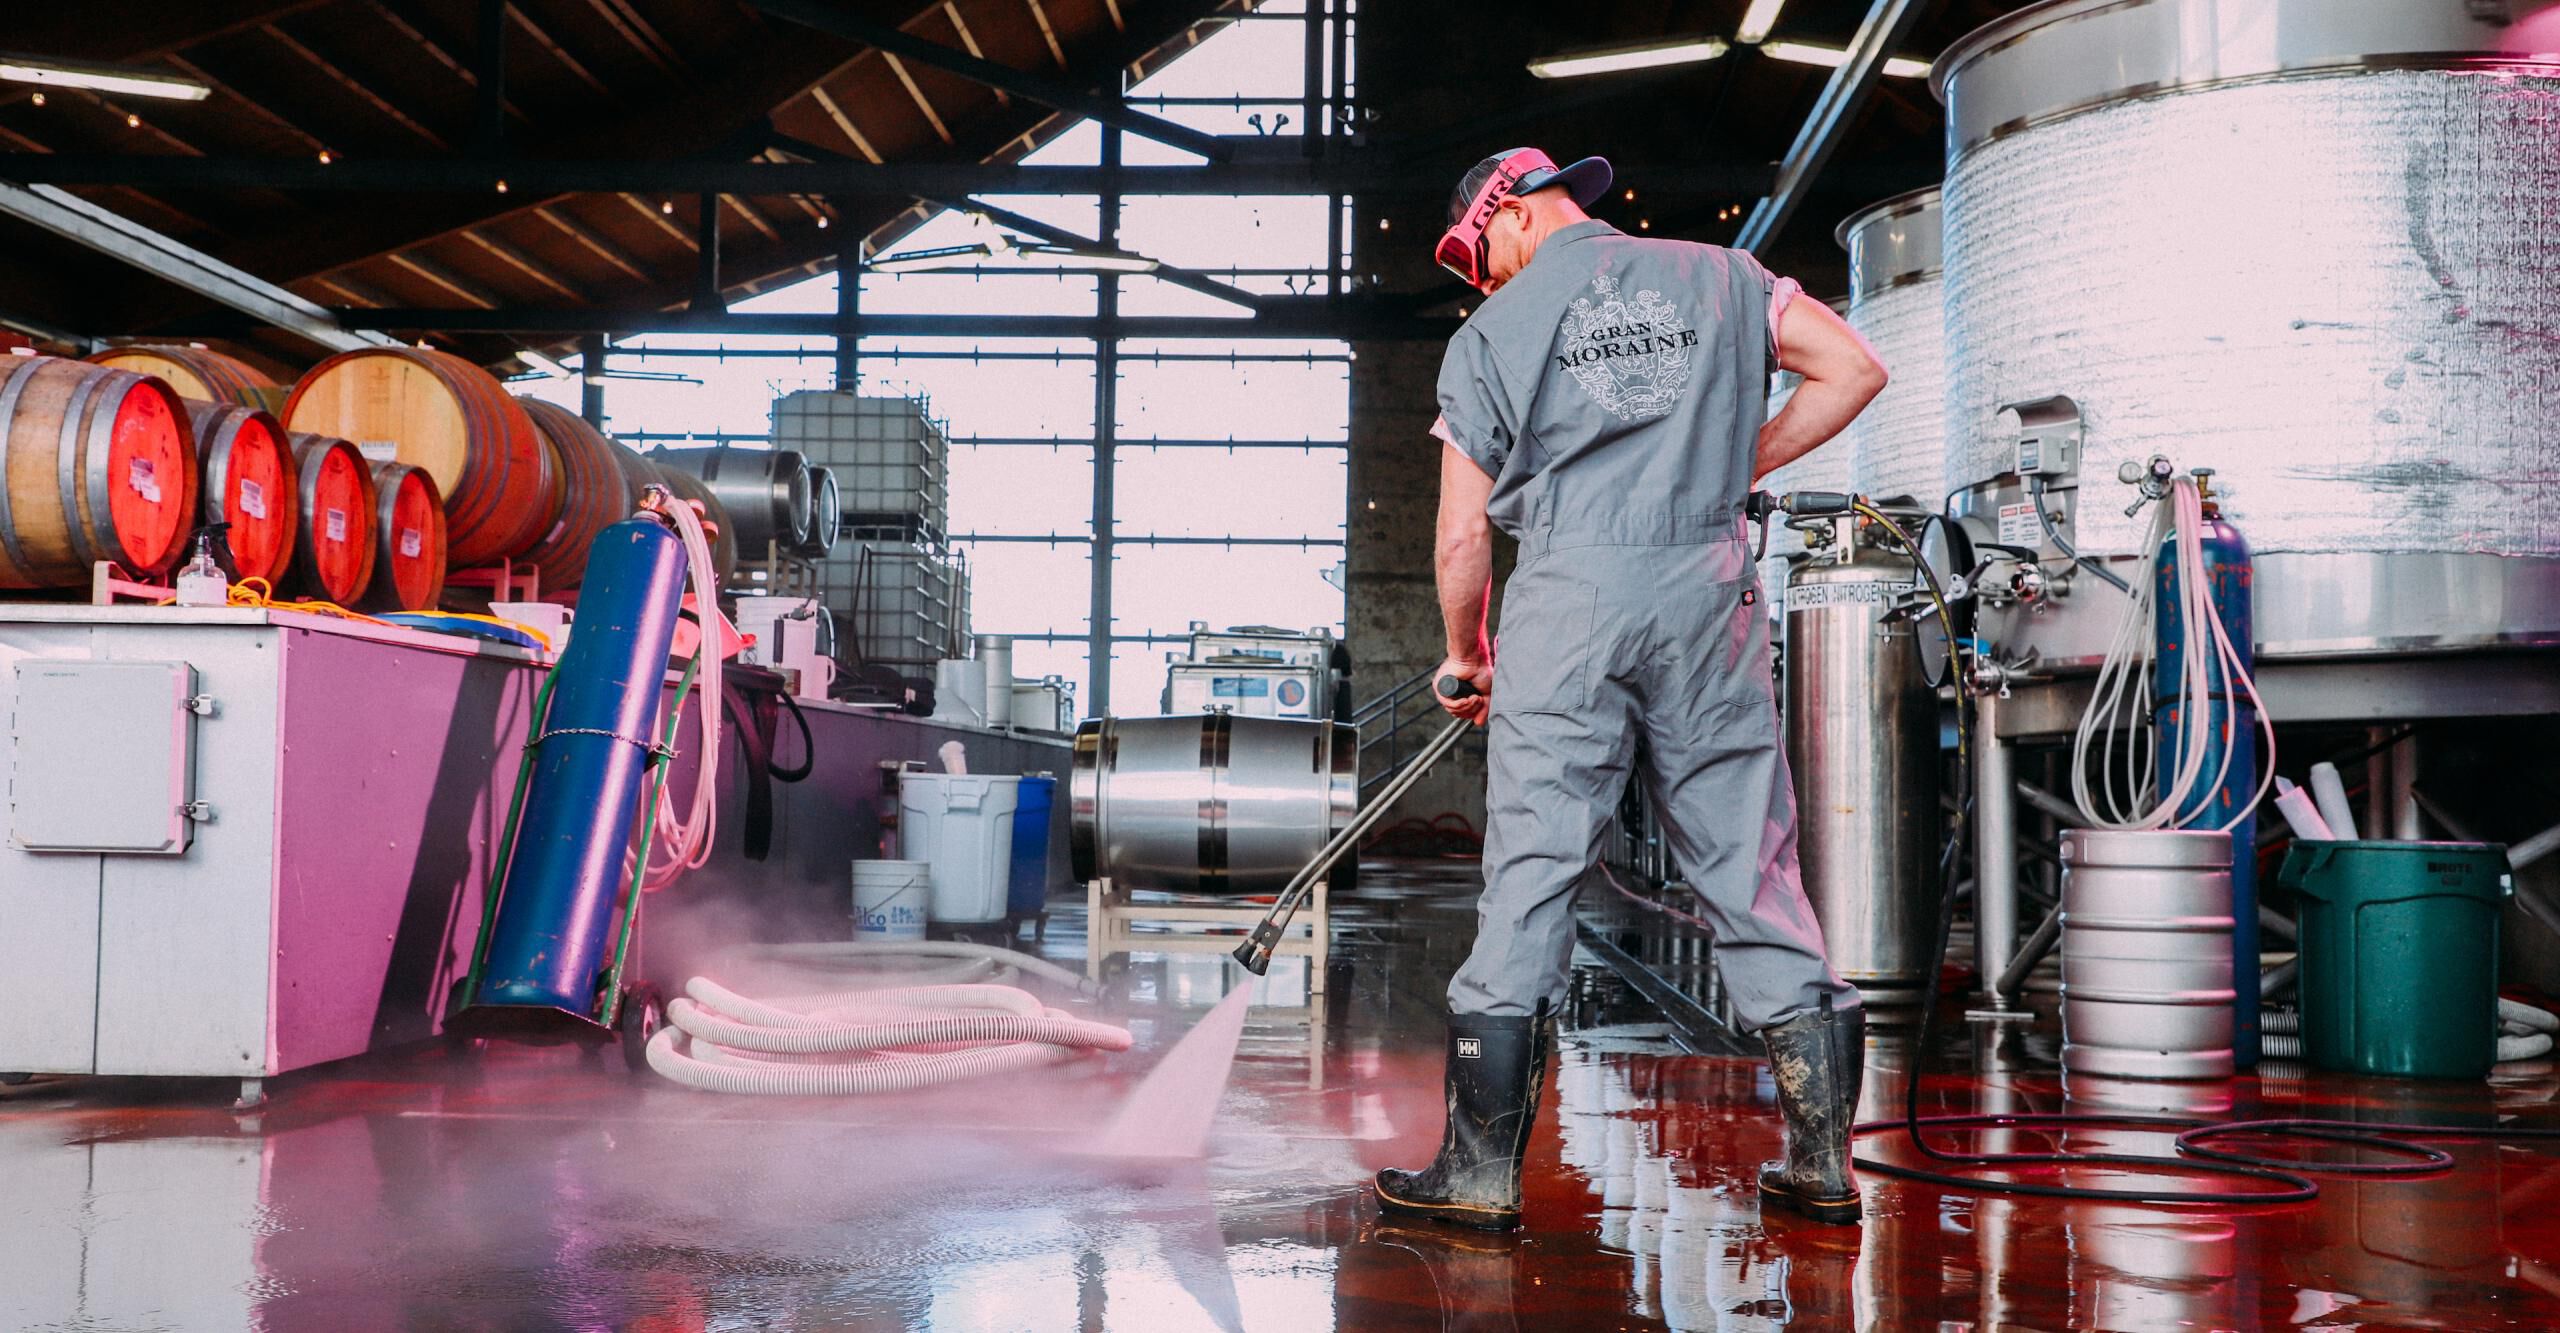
(514, 1188)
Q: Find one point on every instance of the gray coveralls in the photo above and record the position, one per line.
(1615, 391)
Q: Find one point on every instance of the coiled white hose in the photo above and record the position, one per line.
(683, 842)
(2121, 700)
(886, 1039)
(2524, 1032)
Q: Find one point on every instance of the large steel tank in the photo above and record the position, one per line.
(1210, 803)
(1898, 446)
(2307, 243)
(1861, 726)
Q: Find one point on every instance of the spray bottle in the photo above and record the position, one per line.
(202, 581)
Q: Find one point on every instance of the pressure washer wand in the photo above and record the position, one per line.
(1255, 953)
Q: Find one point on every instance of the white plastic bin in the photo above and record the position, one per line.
(890, 899)
(963, 826)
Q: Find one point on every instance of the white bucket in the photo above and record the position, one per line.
(890, 899)
(963, 826)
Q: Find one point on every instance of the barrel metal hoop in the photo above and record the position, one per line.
(1217, 739)
(67, 476)
(9, 396)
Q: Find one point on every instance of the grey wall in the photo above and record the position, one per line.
(1395, 491)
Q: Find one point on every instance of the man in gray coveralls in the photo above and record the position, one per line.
(1606, 406)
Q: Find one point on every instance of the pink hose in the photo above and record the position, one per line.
(865, 1041)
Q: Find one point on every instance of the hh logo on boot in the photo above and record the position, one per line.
(1470, 1048)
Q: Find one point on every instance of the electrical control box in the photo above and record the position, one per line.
(104, 757)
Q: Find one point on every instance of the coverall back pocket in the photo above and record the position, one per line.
(1546, 647)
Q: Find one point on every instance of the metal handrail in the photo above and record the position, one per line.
(1385, 720)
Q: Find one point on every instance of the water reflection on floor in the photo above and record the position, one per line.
(525, 1189)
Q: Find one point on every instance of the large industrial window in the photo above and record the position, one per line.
(1227, 482)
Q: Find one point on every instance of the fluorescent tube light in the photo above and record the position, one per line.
(1041, 258)
(1832, 57)
(1619, 59)
(124, 79)
(1757, 21)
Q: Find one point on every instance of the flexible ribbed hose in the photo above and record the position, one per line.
(891, 1038)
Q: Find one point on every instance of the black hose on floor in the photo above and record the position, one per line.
(2291, 1184)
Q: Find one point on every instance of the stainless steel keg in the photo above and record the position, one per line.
(1212, 803)
(2146, 953)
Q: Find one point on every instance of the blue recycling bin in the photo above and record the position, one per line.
(1028, 888)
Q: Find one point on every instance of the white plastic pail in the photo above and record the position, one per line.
(890, 899)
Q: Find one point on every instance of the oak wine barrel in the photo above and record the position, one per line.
(447, 417)
(197, 372)
(95, 464)
(334, 547)
(596, 492)
(409, 542)
(247, 476)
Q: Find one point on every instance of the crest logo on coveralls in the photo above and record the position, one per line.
(1632, 357)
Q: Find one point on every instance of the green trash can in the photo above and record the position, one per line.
(2399, 947)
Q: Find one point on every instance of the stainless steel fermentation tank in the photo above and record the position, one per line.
(1212, 803)
(1898, 447)
(767, 493)
(2306, 243)
(1862, 739)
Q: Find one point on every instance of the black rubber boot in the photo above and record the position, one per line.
(1497, 1069)
(1816, 1059)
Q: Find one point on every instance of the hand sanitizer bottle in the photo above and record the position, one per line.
(202, 582)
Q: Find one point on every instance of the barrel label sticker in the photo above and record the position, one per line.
(253, 499)
(1238, 687)
(2020, 527)
(1292, 693)
(336, 525)
(379, 451)
(412, 542)
(1814, 596)
(139, 476)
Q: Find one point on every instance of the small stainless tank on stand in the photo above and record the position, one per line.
(1862, 741)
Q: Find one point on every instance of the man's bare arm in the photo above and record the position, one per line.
(1841, 376)
(1462, 559)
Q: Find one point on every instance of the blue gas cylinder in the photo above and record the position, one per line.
(2227, 721)
(553, 938)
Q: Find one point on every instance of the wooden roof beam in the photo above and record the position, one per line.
(923, 103)
(895, 41)
(844, 124)
(593, 244)
(1048, 33)
(657, 50)
(435, 274)
(969, 43)
(522, 263)
(343, 80)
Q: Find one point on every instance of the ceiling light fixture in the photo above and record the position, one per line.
(1832, 57)
(124, 79)
(1619, 59)
(1757, 21)
(1001, 252)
